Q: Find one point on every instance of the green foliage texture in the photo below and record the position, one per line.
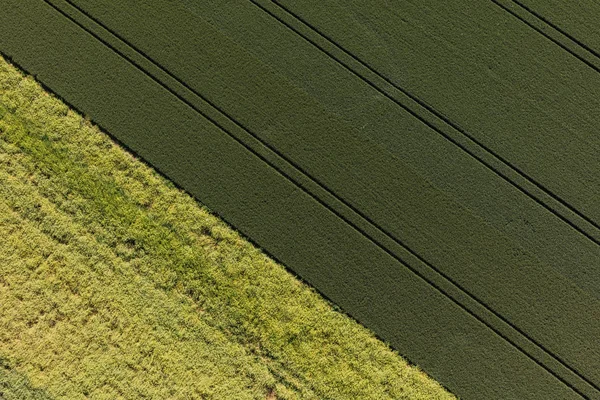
(115, 284)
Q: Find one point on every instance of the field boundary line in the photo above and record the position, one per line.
(267, 152)
(441, 124)
(439, 130)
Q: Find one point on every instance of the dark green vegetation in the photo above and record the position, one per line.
(577, 21)
(512, 89)
(432, 168)
(114, 284)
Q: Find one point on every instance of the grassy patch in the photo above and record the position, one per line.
(14, 386)
(114, 284)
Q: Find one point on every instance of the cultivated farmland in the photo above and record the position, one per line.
(114, 284)
(431, 168)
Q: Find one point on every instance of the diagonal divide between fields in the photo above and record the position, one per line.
(37, 26)
(345, 65)
(352, 55)
(496, 315)
(565, 214)
(377, 235)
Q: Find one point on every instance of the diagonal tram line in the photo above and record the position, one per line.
(546, 21)
(457, 128)
(472, 139)
(557, 28)
(281, 157)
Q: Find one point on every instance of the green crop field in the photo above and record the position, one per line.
(431, 168)
(115, 284)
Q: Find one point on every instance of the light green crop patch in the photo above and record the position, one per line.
(115, 284)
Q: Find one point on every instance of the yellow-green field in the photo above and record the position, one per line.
(115, 284)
